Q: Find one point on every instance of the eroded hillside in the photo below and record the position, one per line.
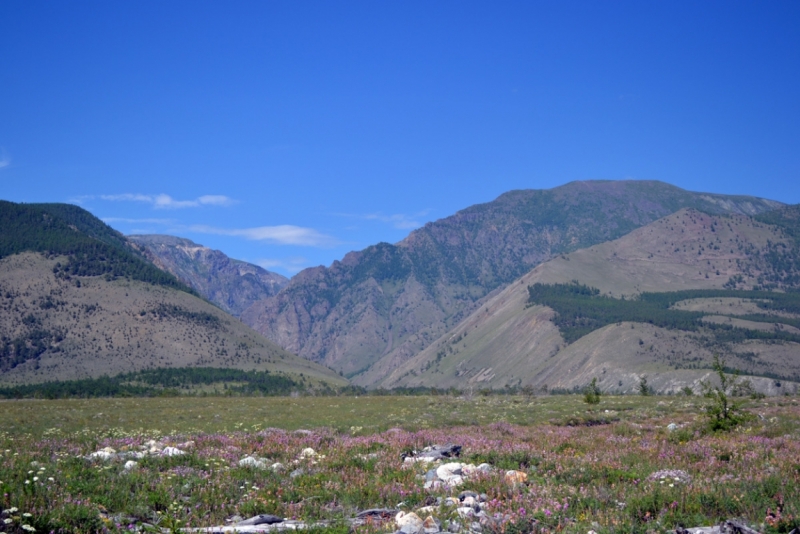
(512, 341)
(68, 327)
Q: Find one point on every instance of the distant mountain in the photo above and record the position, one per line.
(232, 285)
(377, 308)
(704, 276)
(76, 301)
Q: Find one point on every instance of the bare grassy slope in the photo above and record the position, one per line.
(377, 308)
(55, 329)
(505, 343)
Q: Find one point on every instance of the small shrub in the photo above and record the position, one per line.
(644, 389)
(723, 413)
(591, 394)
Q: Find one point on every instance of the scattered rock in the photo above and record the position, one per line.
(250, 461)
(411, 521)
(308, 452)
(448, 470)
(431, 525)
(131, 465)
(103, 454)
(171, 451)
(671, 476)
(672, 427)
(515, 478)
(263, 519)
(382, 513)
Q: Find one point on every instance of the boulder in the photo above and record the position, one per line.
(171, 451)
(410, 519)
(250, 461)
(448, 471)
(431, 525)
(130, 465)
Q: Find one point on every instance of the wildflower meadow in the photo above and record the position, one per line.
(626, 465)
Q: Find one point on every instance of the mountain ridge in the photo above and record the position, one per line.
(231, 284)
(508, 341)
(376, 308)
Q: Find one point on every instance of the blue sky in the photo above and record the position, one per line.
(288, 133)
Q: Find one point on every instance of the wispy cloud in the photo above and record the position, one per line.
(285, 234)
(5, 159)
(163, 201)
(401, 221)
(288, 265)
(110, 220)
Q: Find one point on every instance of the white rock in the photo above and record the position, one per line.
(449, 470)
(470, 501)
(411, 519)
(103, 454)
(465, 512)
(308, 453)
(452, 482)
(431, 526)
(130, 465)
(672, 426)
(486, 468)
(171, 451)
(249, 461)
(410, 460)
(468, 469)
(277, 467)
(433, 484)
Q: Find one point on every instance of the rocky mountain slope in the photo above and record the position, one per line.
(77, 302)
(377, 308)
(232, 285)
(512, 341)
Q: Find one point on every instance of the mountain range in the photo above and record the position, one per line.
(376, 309)
(538, 289)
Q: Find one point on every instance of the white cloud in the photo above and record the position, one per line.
(109, 220)
(285, 234)
(5, 159)
(288, 265)
(164, 201)
(401, 221)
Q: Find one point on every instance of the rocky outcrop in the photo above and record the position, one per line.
(231, 284)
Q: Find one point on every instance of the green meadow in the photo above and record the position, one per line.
(616, 466)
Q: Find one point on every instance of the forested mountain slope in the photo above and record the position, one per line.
(77, 302)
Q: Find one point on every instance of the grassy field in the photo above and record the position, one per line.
(614, 468)
(184, 415)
